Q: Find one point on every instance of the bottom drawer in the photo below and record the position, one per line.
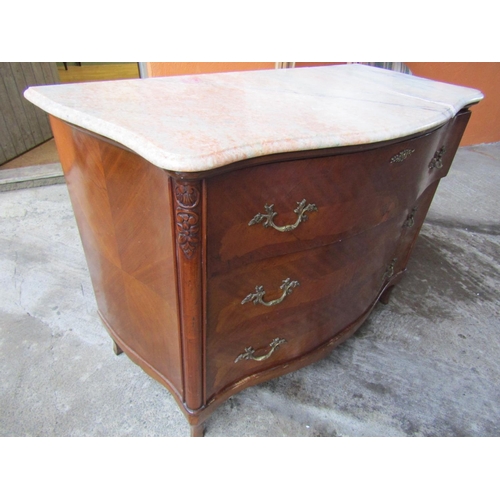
(327, 289)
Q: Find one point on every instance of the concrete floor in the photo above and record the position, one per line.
(427, 364)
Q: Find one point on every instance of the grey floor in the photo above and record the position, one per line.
(427, 364)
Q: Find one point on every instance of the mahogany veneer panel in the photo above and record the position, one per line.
(123, 209)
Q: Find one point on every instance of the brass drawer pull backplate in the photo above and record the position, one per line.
(250, 351)
(258, 297)
(268, 217)
(410, 220)
(389, 272)
(437, 161)
(402, 156)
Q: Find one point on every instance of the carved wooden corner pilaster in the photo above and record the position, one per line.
(187, 200)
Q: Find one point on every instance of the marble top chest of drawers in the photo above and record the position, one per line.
(239, 226)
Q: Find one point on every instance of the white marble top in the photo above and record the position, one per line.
(195, 123)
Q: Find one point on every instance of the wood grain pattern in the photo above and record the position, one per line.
(352, 192)
(338, 282)
(122, 207)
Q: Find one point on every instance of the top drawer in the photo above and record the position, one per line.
(277, 208)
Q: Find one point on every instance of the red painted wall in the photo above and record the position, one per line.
(484, 125)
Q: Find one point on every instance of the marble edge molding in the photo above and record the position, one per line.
(202, 162)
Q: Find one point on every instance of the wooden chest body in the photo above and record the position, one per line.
(205, 294)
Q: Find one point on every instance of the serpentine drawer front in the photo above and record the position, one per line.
(333, 284)
(237, 241)
(287, 206)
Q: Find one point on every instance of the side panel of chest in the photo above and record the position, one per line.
(122, 206)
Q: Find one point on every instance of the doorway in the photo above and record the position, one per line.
(73, 72)
(23, 144)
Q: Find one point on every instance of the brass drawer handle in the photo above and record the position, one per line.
(257, 297)
(410, 220)
(249, 351)
(270, 214)
(437, 161)
(389, 272)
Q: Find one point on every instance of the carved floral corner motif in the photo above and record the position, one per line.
(187, 195)
(188, 231)
(187, 217)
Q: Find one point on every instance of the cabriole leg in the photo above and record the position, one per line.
(116, 348)
(386, 295)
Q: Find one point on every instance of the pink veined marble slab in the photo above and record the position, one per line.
(196, 123)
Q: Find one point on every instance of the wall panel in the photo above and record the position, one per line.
(22, 125)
